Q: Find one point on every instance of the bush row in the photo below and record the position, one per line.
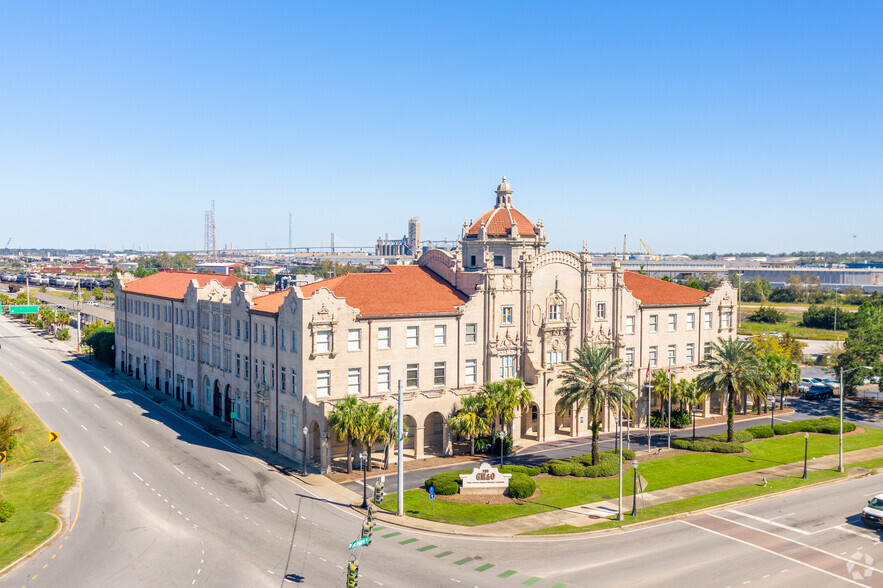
(740, 436)
(761, 431)
(706, 444)
(581, 465)
(826, 425)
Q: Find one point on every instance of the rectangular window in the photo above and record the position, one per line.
(413, 337)
(354, 340)
(691, 353)
(293, 383)
(438, 374)
(412, 379)
(498, 261)
(272, 338)
(706, 351)
(238, 365)
(471, 368)
(264, 373)
(630, 324)
(323, 383)
(294, 434)
(507, 367)
(554, 357)
(383, 334)
(630, 356)
(653, 323)
(441, 335)
(554, 312)
(247, 329)
(707, 322)
(653, 353)
(672, 323)
(282, 380)
(602, 311)
(323, 341)
(725, 320)
(246, 365)
(282, 425)
(238, 329)
(293, 341)
(263, 334)
(691, 321)
(471, 332)
(383, 378)
(507, 315)
(282, 340)
(672, 355)
(354, 381)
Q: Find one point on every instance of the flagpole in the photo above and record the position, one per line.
(669, 404)
(649, 397)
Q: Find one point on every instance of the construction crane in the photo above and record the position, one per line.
(8, 242)
(650, 253)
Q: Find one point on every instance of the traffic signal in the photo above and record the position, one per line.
(352, 574)
(378, 492)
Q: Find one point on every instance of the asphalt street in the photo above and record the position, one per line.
(162, 503)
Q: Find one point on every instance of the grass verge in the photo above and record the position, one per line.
(564, 492)
(31, 481)
(695, 503)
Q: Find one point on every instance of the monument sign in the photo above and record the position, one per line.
(485, 479)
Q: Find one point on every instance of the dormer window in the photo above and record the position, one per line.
(555, 312)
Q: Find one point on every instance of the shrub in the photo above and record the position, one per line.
(482, 444)
(627, 454)
(679, 419)
(825, 425)
(708, 445)
(521, 486)
(741, 436)
(761, 431)
(6, 510)
(767, 315)
(560, 468)
(63, 334)
(518, 469)
(604, 469)
(446, 483)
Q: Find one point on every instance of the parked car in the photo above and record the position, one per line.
(833, 384)
(872, 515)
(807, 383)
(818, 392)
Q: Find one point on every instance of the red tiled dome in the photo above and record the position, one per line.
(498, 222)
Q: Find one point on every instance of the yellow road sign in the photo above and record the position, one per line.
(2, 456)
(53, 436)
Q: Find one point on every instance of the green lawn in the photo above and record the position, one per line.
(563, 492)
(31, 481)
(749, 328)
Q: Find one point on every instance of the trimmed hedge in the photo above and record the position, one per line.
(446, 483)
(521, 486)
(581, 465)
(705, 444)
(824, 425)
(518, 469)
(740, 436)
(560, 468)
(761, 431)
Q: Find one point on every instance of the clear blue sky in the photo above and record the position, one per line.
(698, 127)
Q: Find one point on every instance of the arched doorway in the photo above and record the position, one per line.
(313, 448)
(228, 403)
(563, 421)
(410, 430)
(217, 406)
(434, 434)
(530, 421)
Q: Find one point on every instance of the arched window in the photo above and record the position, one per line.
(208, 392)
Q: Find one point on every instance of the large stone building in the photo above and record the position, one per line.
(499, 306)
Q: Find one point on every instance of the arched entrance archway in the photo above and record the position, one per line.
(217, 406)
(434, 433)
(563, 421)
(410, 430)
(530, 421)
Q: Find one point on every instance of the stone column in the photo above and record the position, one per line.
(418, 442)
(706, 406)
(447, 440)
(325, 460)
(516, 426)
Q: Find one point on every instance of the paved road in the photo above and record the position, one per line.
(105, 314)
(164, 504)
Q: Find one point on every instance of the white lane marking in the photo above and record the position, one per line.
(455, 580)
(783, 516)
(64, 409)
(279, 503)
(179, 471)
(119, 423)
(84, 427)
(866, 535)
(137, 476)
(35, 382)
(106, 449)
(96, 406)
(222, 465)
(145, 443)
(782, 555)
(871, 494)
(768, 521)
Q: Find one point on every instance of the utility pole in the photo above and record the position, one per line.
(79, 320)
(400, 464)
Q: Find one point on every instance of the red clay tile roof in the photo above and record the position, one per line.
(655, 292)
(397, 290)
(174, 284)
(270, 302)
(498, 222)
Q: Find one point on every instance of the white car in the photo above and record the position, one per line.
(807, 383)
(872, 515)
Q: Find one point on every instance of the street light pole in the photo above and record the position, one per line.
(502, 435)
(400, 465)
(619, 515)
(306, 431)
(805, 453)
(364, 456)
(635, 490)
(668, 443)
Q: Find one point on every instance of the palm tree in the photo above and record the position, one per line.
(470, 420)
(370, 427)
(388, 425)
(492, 395)
(594, 379)
(692, 395)
(344, 420)
(782, 372)
(733, 370)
